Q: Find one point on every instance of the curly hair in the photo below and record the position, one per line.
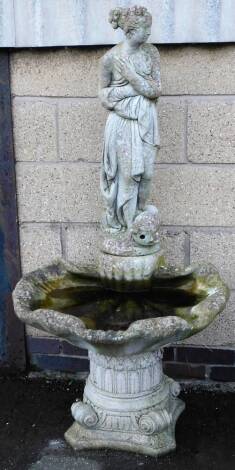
(129, 19)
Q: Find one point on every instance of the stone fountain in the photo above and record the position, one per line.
(131, 304)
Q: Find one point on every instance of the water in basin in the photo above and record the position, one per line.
(114, 307)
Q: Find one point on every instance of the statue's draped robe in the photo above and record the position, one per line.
(130, 141)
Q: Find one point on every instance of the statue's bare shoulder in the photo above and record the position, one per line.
(106, 66)
(107, 59)
(155, 57)
(152, 51)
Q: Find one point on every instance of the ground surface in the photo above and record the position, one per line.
(35, 413)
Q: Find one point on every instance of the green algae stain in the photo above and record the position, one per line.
(112, 305)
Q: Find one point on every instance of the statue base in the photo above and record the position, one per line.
(128, 268)
(128, 404)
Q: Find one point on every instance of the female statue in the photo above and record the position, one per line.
(129, 88)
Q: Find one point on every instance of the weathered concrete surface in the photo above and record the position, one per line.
(81, 129)
(211, 136)
(210, 130)
(194, 195)
(75, 22)
(174, 243)
(197, 70)
(124, 386)
(76, 133)
(31, 331)
(105, 337)
(34, 130)
(82, 244)
(222, 331)
(172, 123)
(62, 192)
(64, 72)
(39, 245)
(185, 195)
(218, 248)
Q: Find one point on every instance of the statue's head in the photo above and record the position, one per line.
(135, 22)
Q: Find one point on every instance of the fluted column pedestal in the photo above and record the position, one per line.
(128, 404)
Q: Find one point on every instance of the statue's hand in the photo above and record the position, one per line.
(104, 98)
(125, 68)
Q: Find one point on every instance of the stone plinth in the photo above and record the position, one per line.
(128, 404)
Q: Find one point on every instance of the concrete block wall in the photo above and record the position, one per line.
(58, 131)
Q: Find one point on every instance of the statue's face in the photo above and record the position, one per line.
(140, 35)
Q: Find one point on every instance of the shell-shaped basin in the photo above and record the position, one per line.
(79, 306)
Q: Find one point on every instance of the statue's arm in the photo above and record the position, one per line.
(156, 74)
(105, 80)
(149, 87)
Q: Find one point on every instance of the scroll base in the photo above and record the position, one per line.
(81, 438)
(127, 414)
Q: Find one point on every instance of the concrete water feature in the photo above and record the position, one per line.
(132, 303)
(128, 402)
